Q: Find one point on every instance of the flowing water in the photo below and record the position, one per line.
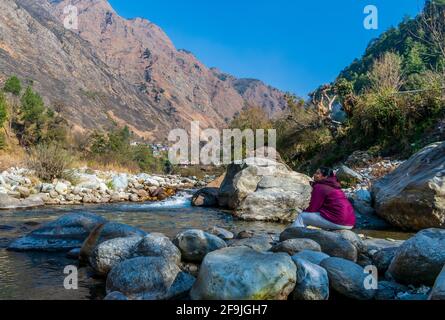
(40, 275)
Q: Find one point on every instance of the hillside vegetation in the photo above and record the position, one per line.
(392, 99)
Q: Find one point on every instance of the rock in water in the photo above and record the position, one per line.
(111, 252)
(347, 278)
(222, 233)
(241, 273)
(66, 233)
(107, 231)
(332, 243)
(293, 246)
(312, 281)
(420, 259)
(207, 197)
(158, 245)
(413, 195)
(265, 190)
(195, 244)
(143, 278)
(438, 292)
(7, 202)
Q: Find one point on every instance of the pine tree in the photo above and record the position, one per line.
(13, 85)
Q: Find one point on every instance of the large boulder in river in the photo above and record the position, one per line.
(107, 231)
(265, 190)
(347, 278)
(143, 278)
(420, 259)
(335, 244)
(413, 195)
(109, 253)
(241, 273)
(195, 244)
(66, 233)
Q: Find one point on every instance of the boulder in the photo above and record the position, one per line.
(66, 233)
(388, 290)
(241, 273)
(256, 242)
(314, 257)
(107, 231)
(413, 196)
(347, 278)
(195, 244)
(348, 177)
(312, 281)
(207, 197)
(61, 188)
(332, 243)
(438, 292)
(222, 233)
(7, 202)
(158, 245)
(110, 253)
(420, 259)
(143, 278)
(383, 258)
(264, 190)
(293, 246)
(120, 182)
(181, 286)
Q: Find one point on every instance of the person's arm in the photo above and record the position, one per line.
(317, 199)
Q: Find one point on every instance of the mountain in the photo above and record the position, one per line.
(114, 70)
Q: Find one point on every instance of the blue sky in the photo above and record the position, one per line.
(294, 45)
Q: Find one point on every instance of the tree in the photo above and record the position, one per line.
(385, 76)
(33, 117)
(13, 85)
(3, 109)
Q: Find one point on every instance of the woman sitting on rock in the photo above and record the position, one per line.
(329, 208)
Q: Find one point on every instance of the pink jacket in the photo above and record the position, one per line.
(328, 199)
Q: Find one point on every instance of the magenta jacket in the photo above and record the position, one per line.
(328, 199)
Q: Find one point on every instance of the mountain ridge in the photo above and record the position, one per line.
(116, 70)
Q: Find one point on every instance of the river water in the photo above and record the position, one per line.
(39, 276)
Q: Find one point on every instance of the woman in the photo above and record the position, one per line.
(329, 207)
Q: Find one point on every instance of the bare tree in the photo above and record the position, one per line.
(432, 22)
(386, 73)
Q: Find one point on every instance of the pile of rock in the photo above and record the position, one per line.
(19, 188)
(302, 264)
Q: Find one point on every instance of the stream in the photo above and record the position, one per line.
(39, 276)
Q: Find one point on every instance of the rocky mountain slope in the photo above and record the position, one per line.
(116, 70)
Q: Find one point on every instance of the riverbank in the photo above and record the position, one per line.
(20, 188)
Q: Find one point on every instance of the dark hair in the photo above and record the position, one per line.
(327, 172)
